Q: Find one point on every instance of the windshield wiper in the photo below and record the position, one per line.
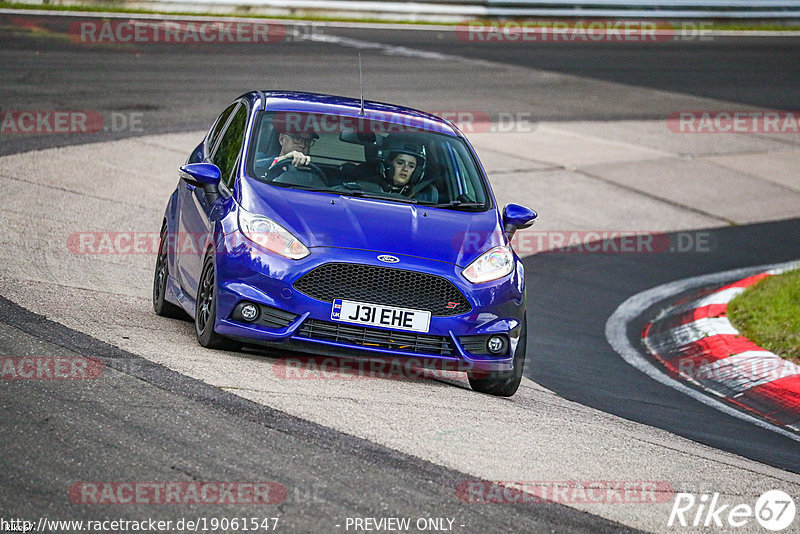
(368, 194)
(460, 204)
(350, 193)
(302, 188)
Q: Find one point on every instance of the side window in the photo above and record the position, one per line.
(218, 126)
(467, 180)
(230, 145)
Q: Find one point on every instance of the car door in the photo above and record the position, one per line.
(196, 210)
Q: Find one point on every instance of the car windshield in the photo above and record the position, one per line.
(367, 158)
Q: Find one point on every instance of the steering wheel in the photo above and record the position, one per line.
(282, 167)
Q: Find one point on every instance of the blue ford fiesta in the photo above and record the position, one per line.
(328, 225)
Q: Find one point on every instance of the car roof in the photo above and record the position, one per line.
(351, 107)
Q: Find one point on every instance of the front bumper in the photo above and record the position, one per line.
(294, 321)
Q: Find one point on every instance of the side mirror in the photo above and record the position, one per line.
(516, 217)
(201, 174)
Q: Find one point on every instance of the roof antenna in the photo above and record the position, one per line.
(361, 83)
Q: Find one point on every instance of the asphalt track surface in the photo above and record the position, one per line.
(143, 422)
(181, 88)
(757, 72)
(572, 295)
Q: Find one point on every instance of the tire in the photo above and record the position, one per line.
(504, 383)
(161, 305)
(205, 314)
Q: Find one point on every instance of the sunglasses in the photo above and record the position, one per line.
(300, 140)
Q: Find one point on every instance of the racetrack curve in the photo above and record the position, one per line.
(597, 284)
(232, 411)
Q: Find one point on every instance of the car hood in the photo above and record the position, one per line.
(329, 220)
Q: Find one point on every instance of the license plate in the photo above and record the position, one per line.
(366, 313)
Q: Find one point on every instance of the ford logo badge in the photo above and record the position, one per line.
(385, 258)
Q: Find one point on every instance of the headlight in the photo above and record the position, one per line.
(272, 236)
(491, 265)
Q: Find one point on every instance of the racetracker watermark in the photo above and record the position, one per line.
(593, 241)
(525, 242)
(568, 492)
(177, 493)
(49, 368)
(581, 31)
(731, 122)
(333, 368)
(136, 243)
(195, 524)
(476, 121)
(750, 367)
(386, 123)
(69, 122)
(175, 32)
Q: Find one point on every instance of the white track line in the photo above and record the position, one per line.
(617, 324)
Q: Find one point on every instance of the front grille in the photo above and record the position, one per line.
(383, 285)
(373, 337)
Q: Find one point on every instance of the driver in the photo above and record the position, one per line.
(295, 147)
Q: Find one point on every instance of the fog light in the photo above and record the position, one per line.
(249, 312)
(496, 344)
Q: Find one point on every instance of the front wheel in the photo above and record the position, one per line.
(205, 314)
(503, 383)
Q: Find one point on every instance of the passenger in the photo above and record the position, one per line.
(403, 171)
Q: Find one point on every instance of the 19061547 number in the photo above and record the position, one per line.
(238, 523)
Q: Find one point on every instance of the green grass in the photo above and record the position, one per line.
(768, 314)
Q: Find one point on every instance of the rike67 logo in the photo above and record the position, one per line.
(774, 510)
